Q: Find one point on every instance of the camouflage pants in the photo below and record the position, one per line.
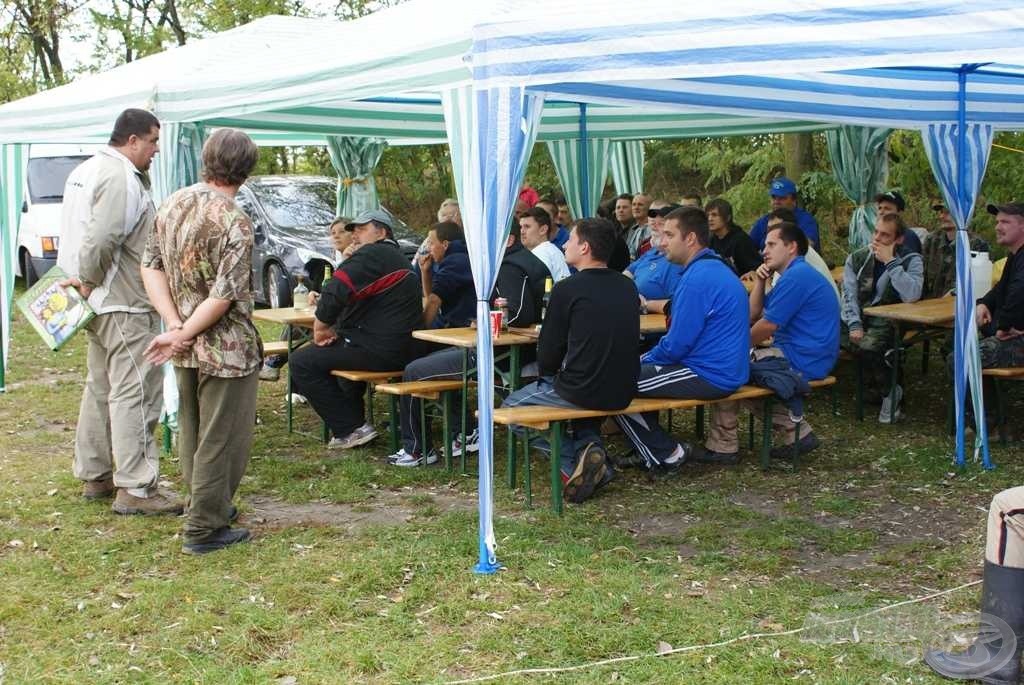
(878, 339)
(1001, 353)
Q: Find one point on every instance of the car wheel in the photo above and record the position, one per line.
(277, 287)
(27, 270)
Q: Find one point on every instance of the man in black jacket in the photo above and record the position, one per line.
(364, 320)
(520, 280)
(1000, 313)
(588, 352)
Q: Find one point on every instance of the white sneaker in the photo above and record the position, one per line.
(296, 398)
(360, 436)
(472, 443)
(887, 415)
(407, 459)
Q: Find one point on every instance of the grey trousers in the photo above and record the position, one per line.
(216, 419)
(121, 403)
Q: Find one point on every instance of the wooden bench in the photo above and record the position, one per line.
(998, 375)
(372, 380)
(435, 392)
(272, 349)
(550, 419)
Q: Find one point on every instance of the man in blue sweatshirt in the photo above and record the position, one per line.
(449, 298)
(783, 195)
(705, 353)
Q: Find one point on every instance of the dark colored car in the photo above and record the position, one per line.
(291, 215)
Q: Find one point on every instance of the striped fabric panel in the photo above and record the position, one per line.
(593, 43)
(13, 165)
(960, 178)
(627, 162)
(567, 157)
(355, 158)
(492, 134)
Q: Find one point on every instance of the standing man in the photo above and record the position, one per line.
(587, 353)
(640, 231)
(801, 317)
(884, 272)
(705, 353)
(198, 273)
(729, 241)
(364, 320)
(624, 211)
(535, 229)
(939, 254)
(783, 195)
(106, 220)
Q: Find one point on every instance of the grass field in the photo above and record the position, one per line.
(360, 572)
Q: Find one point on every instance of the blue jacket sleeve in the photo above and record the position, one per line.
(758, 232)
(688, 320)
(451, 277)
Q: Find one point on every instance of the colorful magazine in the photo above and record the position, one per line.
(55, 311)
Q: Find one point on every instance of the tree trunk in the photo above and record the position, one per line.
(798, 149)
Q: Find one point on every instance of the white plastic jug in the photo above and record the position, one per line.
(981, 273)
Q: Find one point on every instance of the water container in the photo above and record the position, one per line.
(300, 296)
(981, 273)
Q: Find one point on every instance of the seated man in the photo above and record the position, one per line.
(587, 353)
(783, 196)
(364, 320)
(520, 280)
(535, 225)
(705, 353)
(884, 272)
(989, 658)
(1000, 313)
(801, 316)
(940, 255)
(449, 298)
(559, 234)
(892, 202)
(729, 241)
(655, 276)
(813, 259)
(637, 234)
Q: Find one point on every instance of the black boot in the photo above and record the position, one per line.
(991, 659)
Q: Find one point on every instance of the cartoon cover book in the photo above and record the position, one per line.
(54, 311)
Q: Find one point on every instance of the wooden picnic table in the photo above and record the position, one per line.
(927, 316)
(287, 316)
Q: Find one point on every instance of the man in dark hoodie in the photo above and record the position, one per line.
(449, 298)
(521, 279)
(364, 320)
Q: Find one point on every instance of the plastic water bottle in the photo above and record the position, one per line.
(981, 273)
(300, 296)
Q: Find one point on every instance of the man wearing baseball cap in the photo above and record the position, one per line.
(892, 202)
(364, 320)
(940, 254)
(1000, 313)
(783, 195)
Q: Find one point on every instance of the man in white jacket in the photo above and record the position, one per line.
(536, 227)
(107, 217)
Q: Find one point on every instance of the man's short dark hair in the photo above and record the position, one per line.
(516, 230)
(599, 234)
(692, 220)
(229, 156)
(790, 233)
(896, 220)
(447, 231)
(540, 215)
(722, 206)
(624, 196)
(787, 215)
(132, 122)
(692, 196)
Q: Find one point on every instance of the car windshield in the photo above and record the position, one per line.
(292, 204)
(47, 176)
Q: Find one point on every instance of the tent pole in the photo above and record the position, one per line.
(584, 163)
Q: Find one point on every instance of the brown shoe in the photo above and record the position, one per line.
(98, 489)
(159, 503)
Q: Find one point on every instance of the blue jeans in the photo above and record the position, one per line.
(542, 393)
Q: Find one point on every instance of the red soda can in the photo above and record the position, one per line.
(497, 318)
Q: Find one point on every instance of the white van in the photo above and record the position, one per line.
(38, 232)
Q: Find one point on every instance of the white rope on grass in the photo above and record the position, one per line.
(711, 645)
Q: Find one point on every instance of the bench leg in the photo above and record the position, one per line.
(796, 445)
(167, 438)
(288, 381)
(750, 431)
(926, 350)
(897, 354)
(526, 465)
(699, 421)
(835, 399)
(556, 464)
(766, 434)
(465, 401)
(446, 427)
(369, 403)
(393, 424)
(423, 431)
(1000, 410)
(511, 465)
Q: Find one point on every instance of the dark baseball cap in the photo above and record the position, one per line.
(366, 216)
(893, 197)
(662, 211)
(1009, 208)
